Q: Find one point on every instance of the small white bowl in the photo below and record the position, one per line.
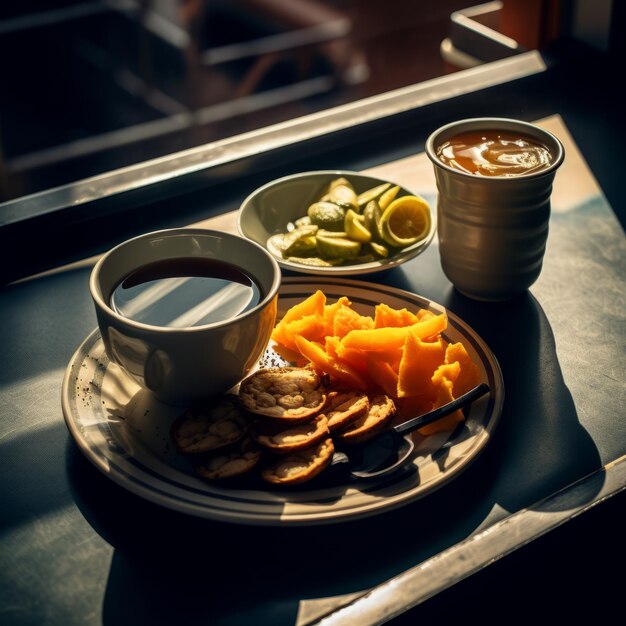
(184, 365)
(270, 208)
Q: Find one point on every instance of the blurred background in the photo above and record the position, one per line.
(90, 86)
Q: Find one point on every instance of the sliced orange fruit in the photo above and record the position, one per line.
(321, 361)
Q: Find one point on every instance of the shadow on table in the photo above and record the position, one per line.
(540, 445)
(42, 322)
(168, 567)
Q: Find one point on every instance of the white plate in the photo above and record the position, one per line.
(124, 432)
(269, 209)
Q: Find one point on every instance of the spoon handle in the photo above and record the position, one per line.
(446, 409)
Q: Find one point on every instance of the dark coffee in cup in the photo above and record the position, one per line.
(185, 292)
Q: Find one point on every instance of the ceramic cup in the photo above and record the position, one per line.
(493, 230)
(182, 365)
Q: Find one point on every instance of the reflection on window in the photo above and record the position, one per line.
(92, 86)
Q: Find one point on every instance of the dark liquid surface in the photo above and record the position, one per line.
(182, 293)
(495, 153)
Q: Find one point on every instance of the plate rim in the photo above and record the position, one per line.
(256, 518)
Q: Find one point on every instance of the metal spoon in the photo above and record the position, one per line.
(391, 449)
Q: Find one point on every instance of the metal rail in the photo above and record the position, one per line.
(478, 551)
(203, 158)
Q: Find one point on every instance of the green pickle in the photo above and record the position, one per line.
(302, 245)
(372, 215)
(372, 194)
(388, 197)
(337, 182)
(344, 196)
(379, 249)
(314, 261)
(341, 227)
(365, 258)
(303, 221)
(331, 233)
(326, 215)
(295, 242)
(338, 248)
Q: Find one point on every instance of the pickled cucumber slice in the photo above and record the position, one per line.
(326, 215)
(339, 181)
(303, 221)
(278, 243)
(315, 261)
(303, 245)
(322, 232)
(372, 215)
(338, 248)
(379, 249)
(386, 199)
(371, 194)
(344, 196)
(365, 258)
(294, 242)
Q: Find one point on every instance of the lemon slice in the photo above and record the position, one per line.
(405, 221)
(354, 227)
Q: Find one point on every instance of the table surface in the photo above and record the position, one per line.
(75, 548)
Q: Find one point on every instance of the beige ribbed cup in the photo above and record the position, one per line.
(493, 230)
